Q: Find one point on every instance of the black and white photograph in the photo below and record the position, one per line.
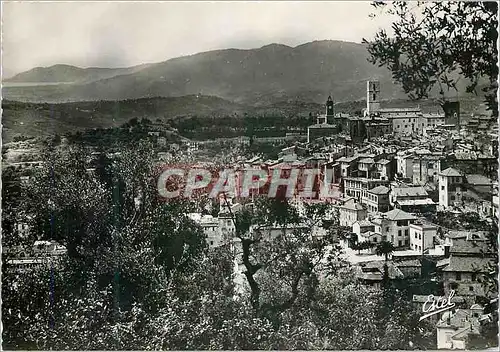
(249, 175)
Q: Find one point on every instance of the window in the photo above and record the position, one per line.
(399, 232)
(400, 243)
(471, 289)
(415, 235)
(374, 239)
(407, 232)
(459, 276)
(419, 236)
(442, 188)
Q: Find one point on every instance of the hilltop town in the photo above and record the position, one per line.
(422, 183)
(250, 176)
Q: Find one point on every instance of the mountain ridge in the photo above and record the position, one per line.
(64, 73)
(309, 71)
(20, 77)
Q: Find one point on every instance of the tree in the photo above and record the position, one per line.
(291, 258)
(11, 199)
(400, 327)
(385, 248)
(436, 44)
(361, 246)
(138, 274)
(368, 245)
(121, 253)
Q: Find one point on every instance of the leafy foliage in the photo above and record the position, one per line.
(138, 273)
(435, 44)
(385, 248)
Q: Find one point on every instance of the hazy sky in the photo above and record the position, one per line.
(117, 34)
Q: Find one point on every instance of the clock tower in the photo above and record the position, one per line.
(329, 107)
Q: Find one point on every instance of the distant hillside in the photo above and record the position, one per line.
(70, 74)
(275, 72)
(42, 119)
(34, 119)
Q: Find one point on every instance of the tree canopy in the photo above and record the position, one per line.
(138, 273)
(440, 44)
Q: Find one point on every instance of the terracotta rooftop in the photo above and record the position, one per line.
(462, 246)
(450, 172)
(367, 161)
(410, 191)
(347, 159)
(398, 214)
(478, 180)
(465, 264)
(352, 205)
(323, 125)
(364, 223)
(379, 190)
(374, 271)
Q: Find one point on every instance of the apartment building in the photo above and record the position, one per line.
(355, 186)
(411, 199)
(376, 199)
(450, 188)
(394, 225)
(422, 237)
(350, 212)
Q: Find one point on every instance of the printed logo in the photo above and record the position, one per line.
(435, 305)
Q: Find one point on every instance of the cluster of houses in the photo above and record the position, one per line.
(379, 122)
(387, 188)
(387, 173)
(42, 253)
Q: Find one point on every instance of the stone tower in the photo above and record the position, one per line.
(329, 107)
(372, 97)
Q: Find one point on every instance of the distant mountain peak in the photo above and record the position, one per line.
(275, 45)
(308, 71)
(56, 66)
(328, 43)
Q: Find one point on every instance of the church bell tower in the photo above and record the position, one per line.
(329, 107)
(372, 97)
